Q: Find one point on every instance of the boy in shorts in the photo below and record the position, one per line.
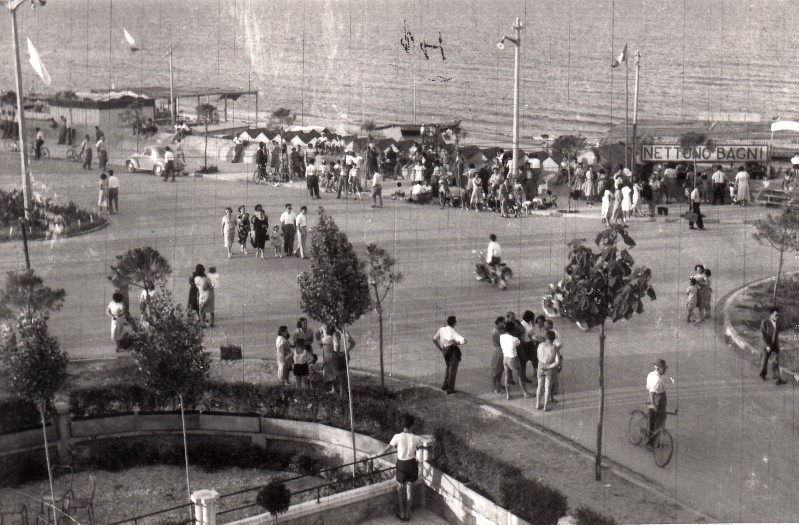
(406, 443)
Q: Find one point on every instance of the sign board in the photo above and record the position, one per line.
(717, 153)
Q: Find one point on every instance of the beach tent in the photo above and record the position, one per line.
(549, 164)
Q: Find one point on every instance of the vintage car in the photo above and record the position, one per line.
(151, 159)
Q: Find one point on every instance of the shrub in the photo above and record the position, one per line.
(17, 415)
(503, 484)
(304, 464)
(586, 516)
(274, 497)
(48, 218)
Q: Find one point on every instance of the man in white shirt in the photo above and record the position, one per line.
(302, 231)
(377, 188)
(510, 358)
(37, 146)
(406, 443)
(719, 185)
(448, 342)
(493, 257)
(169, 164)
(113, 192)
(696, 199)
(656, 388)
(287, 220)
(548, 360)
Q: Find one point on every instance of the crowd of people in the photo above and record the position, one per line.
(287, 238)
(326, 368)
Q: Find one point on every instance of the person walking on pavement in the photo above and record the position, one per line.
(98, 134)
(770, 329)
(377, 188)
(169, 164)
(497, 365)
(301, 223)
(102, 154)
(696, 200)
(406, 443)
(287, 220)
(86, 149)
(113, 192)
(656, 388)
(548, 359)
(719, 186)
(448, 342)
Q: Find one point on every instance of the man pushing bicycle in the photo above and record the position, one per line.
(657, 398)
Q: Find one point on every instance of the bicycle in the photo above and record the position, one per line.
(261, 174)
(662, 442)
(75, 155)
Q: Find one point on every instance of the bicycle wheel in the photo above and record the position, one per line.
(663, 448)
(256, 176)
(637, 428)
(71, 154)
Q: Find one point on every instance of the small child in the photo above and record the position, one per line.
(302, 359)
(691, 305)
(213, 277)
(733, 195)
(277, 241)
(398, 194)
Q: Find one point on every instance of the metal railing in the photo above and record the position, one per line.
(368, 475)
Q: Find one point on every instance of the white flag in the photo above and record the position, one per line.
(622, 57)
(37, 64)
(784, 125)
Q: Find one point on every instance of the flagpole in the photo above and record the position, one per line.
(626, 107)
(635, 105)
(23, 150)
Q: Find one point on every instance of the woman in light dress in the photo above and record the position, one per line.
(102, 200)
(626, 202)
(589, 185)
(228, 230)
(636, 209)
(116, 311)
(742, 186)
(607, 198)
(283, 348)
(205, 294)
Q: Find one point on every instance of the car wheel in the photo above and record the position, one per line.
(131, 167)
(158, 170)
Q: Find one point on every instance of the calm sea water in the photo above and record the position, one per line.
(339, 61)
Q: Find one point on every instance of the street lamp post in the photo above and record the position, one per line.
(517, 41)
(12, 6)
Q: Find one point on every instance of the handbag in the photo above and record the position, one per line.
(691, 216)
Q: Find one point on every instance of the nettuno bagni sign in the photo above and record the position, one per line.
(723, 152)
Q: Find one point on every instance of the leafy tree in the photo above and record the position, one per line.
(284, 117)
(569, 145)
(369, 127)
(600, 286)
(131, 116)
(381, 279)
(9, 97)
(25, 292)
(137, 267)
(169, 349)
(335, 289)
(34, 367)
(206, 114)
(782, 234)
(274, 498)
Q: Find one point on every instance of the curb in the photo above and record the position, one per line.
(93, 229)
(735, 338)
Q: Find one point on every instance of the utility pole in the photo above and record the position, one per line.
(517, 41)
(635, 105)
(172, 87)
(23, 150)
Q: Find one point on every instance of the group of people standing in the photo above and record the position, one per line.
(700, 295)
(296, 356)
(202, 293)
(292, 228)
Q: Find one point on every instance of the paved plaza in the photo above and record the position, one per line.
(736, 452)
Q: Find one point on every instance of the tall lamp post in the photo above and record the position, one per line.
(517, 41)
(12, 6)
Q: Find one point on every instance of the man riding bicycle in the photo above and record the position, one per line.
(493, 256)
(657, 398)
(261, 159)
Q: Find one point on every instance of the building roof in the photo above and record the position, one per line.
(183, 92)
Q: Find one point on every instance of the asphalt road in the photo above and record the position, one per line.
(736, 447)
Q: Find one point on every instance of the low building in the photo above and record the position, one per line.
(107, 110)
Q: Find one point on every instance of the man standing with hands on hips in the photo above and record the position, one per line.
(448, 342)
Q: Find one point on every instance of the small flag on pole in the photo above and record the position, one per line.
(622, 57)
(37, 64)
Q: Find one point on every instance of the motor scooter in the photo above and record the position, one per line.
(499, 274)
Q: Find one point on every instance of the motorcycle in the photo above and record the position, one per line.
(499, 274)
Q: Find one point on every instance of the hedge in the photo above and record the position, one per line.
(17, 415)
(500, 482)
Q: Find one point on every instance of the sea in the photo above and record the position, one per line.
(343, 62)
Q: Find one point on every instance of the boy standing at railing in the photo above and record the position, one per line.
(406, 443)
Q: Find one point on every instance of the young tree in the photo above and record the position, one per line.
(34, 368)
(137, 267)
(284, 117)
(170, 354)
(570, 146)
(782, 234)
(369, 127)
(206, 114)
(600, 286)
(25, 292)
(275, 498)
(335, 289)
(382, 279)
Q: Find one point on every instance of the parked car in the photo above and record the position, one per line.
(151, 159)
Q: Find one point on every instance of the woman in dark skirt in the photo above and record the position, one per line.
(243, 228)
(260, 228)
(194, 302)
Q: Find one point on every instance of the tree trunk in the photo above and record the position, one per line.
(380, 341)
(776, 282)
(185, 453)
(349, 399)
(205, 154)
(47, 458)
(598, 459)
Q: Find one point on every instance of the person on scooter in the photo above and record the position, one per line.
(493, 257)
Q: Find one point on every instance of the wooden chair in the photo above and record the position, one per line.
(14, 509)
(74, 503)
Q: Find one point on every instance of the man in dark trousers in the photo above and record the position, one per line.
(448, 342)
(287, 220)
(770, 331)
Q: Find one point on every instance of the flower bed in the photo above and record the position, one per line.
(49, 220)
